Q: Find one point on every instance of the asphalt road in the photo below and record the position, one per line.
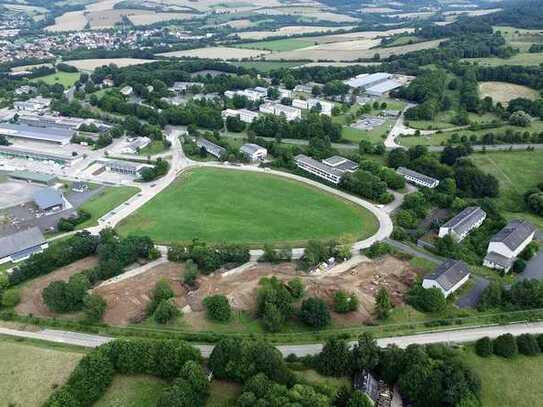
(448, 336)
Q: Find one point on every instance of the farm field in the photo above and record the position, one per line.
(350, 50)
(147, 19)
(265, 66)
(64, 78)
(105, 201)
(504, 92)
(287, 44)
(92, 64)
(508, 382)
(288, 30)
(517, 172)
(134, 391)
(70, 21)
(224, 53)
(30, 372)
(523, 58)
(234, 206)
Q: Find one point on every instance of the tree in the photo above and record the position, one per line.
(217, 308)
(345, 302)
(359, 399)
(398, 158)
(191, 273)
(483, 347)
(334, 360)
(95, 307)
(272, 318)
(383, 305)
(314, 313)
(165, 312)
(505, 346)
(161, 292)
(365, 353)
(527, 345)
(296, 287)
(520, 118)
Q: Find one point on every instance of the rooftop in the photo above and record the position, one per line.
(463, 222)
(449, 273)
(33, 176)
(424, 178)
(317, 164)
(47, 198)
(51, 134)
(514, 234)
(250, 148)
(363, 80)
(19, 241)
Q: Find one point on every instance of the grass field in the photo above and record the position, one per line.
(30, 372)
(517, 172)
(64, 78)
(508, 382)
(523, 58)
(132, 391)
(287, 44)
(156, 147)
(223, 394)
(106, 200)
(265, 66)
(504, 92)
(234, 206)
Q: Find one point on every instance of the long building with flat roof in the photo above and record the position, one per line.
(18, 152)
(36, 177)
(21, 245)
(49, 135)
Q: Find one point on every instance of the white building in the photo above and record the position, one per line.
(319, 169)
(326, 107)
(127, 91)
(364, 81)
(463, 223)
(133, 146)
(37, 104)
(341, 163)
(417, 178)
(448, 277)
(254, 152)
(508, 243)
(251, 94)
(246, 116)
(288, 112)
(284, 93)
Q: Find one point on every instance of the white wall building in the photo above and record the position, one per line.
(288, 112)
(448, 277)
(417, 178)
(254, 152)
(246, 116)
(508, 243)
(319, 169)
(463, 223)
(326, 107)
(250, 94)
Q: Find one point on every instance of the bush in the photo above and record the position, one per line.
(165, 312)
(519, 266)
(505, 346)
(11, 297)
(527, 345)
(161, 292)
(191, 274)
(378, 249)
(60, 296)
(95, 307)
(296, 287)
(539, 339)
(217, 308)
(483, 347)
(344, 302)
(314, 313)
(426, 300)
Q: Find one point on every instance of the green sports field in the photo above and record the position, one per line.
(64, 78)
(218, 205)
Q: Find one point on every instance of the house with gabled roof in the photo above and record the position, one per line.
(448, 277)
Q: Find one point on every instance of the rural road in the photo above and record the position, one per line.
(450, 336)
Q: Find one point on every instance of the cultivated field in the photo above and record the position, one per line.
(146, 19)
(71, 21)
(92, 64)
(350, 50)
(29, 373)
(288, 44)
(523, 58)
(517, 172)
(237, 206)
(288, 30)
(504, 92)
(224, 53)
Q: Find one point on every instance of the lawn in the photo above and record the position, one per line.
(106, 200)
(234, 206)
(156, 147)
(508, 382)
(223, 394)
(30, 372)
(132, 391)
(287, 44)
(517, 171)
(523, 58)
(265, 66)
(313, 377)
(376, 135)
(64, 78)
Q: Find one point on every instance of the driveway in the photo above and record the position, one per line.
(534, 268)
(471, 298)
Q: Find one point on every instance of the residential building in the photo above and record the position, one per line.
(326, 107)
(508, 243)
(462, 224)
(211, 148)
(377, 391)
(54, 135)
(341, 163)
(49, 199)
(21, 245)
(108, 83)
(284, 93)
(254, 152)
(184, 86)
(288, 112)
(25, 90)
(133, 146)
(125, 167)
(246, 116)
(417, 178)
(318, 168)
(365, 81)
(29, 154)
(448, 277)
(127, 91)
(37, 104)
(250, 94)
(28, 176)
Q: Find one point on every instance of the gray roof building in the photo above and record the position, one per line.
(499, 261)
(449, 274)
(51, 134)
(514, 234)
(418, 178)
(48, 198)
(341, 163)
(30, 176)
(211, 148)
(460, 225)
(318, 168)
(21, 244)
(27, 153)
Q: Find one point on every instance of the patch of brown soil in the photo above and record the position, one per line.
(127, 300)
(31, 293)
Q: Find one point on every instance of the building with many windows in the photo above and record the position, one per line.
(288, 112)
(508, 243)
(246, 116)
(459, 226)
(417, 178)
(448, 277)
(254, 152)
(319, 169)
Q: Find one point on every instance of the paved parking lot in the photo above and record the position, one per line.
(13, 193)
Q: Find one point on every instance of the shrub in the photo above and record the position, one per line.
(60, 296)
(217, 308)
(505, 346)
(378, 249)
(165, 312)
(344, 302)
(296, 287)
(519, 266)
(527, 345)
(539, 339)
(426, 300)
(95, 307)
(314, 313)
(161, 292)
(11, 297)
(483, 347)
(191, 273)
